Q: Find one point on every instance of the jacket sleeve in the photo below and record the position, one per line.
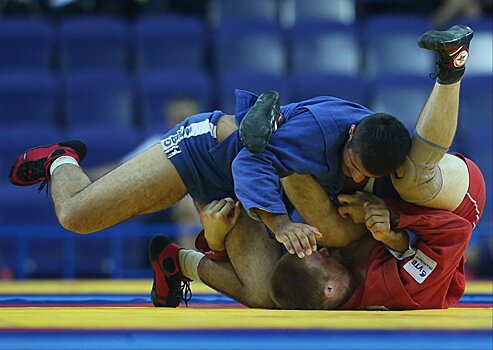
(296, 147)
(443, 235)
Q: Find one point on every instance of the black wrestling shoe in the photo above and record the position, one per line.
(261, 121)
(452, 47)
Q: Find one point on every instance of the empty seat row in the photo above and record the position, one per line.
(90, 98)
(283, 12)
(97, 108)
(379, 45)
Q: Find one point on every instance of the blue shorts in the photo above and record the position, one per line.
(203, 164)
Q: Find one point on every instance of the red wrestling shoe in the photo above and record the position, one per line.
(169, 287)
(33, 166)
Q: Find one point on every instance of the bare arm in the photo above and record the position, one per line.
(316, 208)
(374, 213)
(299, 239)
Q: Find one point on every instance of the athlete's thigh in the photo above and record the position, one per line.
(253, 254)
(147, 180)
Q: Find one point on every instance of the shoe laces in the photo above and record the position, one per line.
(186, 291)
(43, 185)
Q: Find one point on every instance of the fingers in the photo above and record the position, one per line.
(346, 210)
(315, 231)
(345, 198)
(350, 198)
(299, 239)
(373, 220)
(292, 244)
(226, 208)
(237, 211)
(219, 204)
(312, 238)
(375, 215)
(353, 212)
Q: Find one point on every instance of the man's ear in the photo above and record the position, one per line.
(351, 131)
(324, 251)
(328, 292)
(399, 172)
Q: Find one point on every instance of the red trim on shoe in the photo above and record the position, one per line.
(459, 56)
(57, 153)
(169, 287)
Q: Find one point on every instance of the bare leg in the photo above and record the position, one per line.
(437, 122)
(142, 183)
(246, 277)
(430, 177)
(316, 208)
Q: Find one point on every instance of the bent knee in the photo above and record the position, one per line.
(420, 183)
(72, 222)
(422, 178)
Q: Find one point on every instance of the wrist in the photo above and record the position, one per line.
(397, 240)
(271, 220)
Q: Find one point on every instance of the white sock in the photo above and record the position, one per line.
(189, 262)
(60, 161)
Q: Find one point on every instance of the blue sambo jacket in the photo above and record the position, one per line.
(309, 142)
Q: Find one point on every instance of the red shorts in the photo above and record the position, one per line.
(472, 205)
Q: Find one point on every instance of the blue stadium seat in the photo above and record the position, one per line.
(326, 47)
(256, 82)
(44, 257)
(88, 43)
(25, 43)
(343, 11)
(223, 10)
(20, 205)
(246, 45)
(106, 143)
(170, 41)
(98, 96)
(476, 127)
(156, 89)
(478, 141)
(28, 97)
(402, 96)
(347, 87)
(92, 257)
(390, 43)
(476, 101)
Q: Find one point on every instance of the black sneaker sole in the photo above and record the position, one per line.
(78, 146)
(257, 126)
(156, 246)
(455, 36)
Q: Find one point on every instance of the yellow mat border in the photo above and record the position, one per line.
(138, 318)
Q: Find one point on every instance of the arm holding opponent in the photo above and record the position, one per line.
(218, 218)
(367, 208)
(317, 209)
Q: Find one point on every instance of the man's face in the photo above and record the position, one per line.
(351, 165)
(338, 284)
